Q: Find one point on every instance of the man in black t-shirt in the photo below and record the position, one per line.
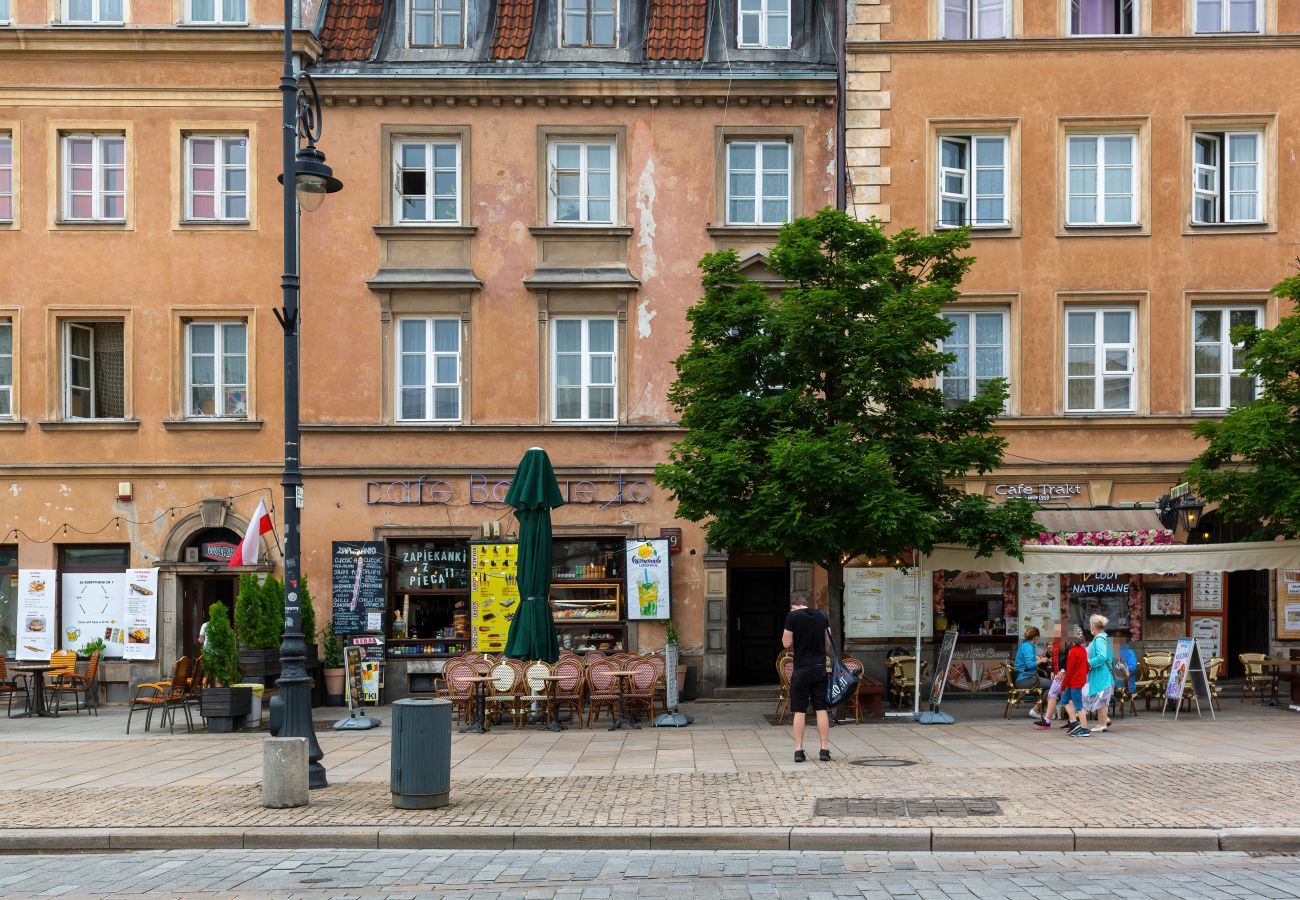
(805, 634)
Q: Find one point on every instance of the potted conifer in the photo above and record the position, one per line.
(259, 636)
(223, 704)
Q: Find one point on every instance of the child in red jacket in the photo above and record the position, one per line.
(1076, 677)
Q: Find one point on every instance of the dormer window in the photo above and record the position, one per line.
(437, 23)
(588, 23)
(764, 24)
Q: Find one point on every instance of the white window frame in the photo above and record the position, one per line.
(971, 10)
(1099, 170)
(1069, 22)
(1225, 16)
(97, 168)
(1226, 352)
(759, 197)
(1100, 347)
(969, 196)
(584, 177)
(586, 356)
(431, 356)
(765, 15)
(218, 14)
(219, 170)
(591, 13)
(972, 345)
(7, 387)
(430, 171)
(96, 14)
(7, 140)
(218, 354)
(4, 12)
(68, 387)
(439, 9)
(1217, 186)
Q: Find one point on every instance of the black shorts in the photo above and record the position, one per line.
(808, 686)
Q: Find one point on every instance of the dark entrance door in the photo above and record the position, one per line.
(198, 592)
(759, 600)
(1247, 616)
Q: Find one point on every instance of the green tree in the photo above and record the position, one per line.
(220, 657)
(813, 428)
(1251, 467)
(250, 612)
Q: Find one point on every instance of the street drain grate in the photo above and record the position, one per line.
(882, 761)
(912, 807)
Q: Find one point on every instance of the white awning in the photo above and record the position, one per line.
(1152, 560)
(1071, 520)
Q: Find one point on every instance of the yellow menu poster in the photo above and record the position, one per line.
(493, 594)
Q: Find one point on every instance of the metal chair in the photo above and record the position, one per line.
(164, 695)
(78, 686)
(11, 686)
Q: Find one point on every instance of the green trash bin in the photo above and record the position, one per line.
(420, 776)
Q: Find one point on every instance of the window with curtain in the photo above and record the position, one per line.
(94, 177)
(92, 12)
(1223, 16)
(6, 175)
(1103, 17)
(1217, 361)
(979, 343)
(216, 178)
(94, 373)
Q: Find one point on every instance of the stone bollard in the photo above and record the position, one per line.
(284, 772)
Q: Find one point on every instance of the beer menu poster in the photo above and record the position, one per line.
(493, 594)
(36, 619)
(93, 607)
(648, 582)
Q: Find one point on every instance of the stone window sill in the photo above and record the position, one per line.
(212, 424)
(90, 425)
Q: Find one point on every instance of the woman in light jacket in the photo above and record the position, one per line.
(1101, 682)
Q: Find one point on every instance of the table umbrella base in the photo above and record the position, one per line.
(356, 723)
(673, 720)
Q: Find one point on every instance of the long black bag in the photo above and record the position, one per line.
(840, 683)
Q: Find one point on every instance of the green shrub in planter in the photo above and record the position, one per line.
(332, 647)
(250, 612)
(220, 656)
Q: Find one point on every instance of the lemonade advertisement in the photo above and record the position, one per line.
(648, 592)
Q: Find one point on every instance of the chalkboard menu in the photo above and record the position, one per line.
(358, 595)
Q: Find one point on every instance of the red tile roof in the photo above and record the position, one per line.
(514, 29)
(676, 29)
(351, 29)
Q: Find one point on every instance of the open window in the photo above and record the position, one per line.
(1098, 18)
(94, 369)
(1227, 177)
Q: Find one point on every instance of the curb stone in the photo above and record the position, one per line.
(1150, 840)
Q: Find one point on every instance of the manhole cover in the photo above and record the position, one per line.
(882, 761)
(911, 807)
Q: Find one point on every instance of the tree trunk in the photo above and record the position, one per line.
(835, 596)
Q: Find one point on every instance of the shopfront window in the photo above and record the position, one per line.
(8, 600)
(1106, 594)
(587, 593)
(428, 611)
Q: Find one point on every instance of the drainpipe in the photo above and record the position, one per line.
(841, 89)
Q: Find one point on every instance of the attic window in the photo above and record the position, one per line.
(588, 23)
(437, 23)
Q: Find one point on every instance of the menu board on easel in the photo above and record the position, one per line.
(881, 603)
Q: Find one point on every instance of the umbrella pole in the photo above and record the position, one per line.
(916, 688)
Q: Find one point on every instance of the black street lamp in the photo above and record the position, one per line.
(306, 180)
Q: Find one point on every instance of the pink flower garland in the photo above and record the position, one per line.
(1147, 537)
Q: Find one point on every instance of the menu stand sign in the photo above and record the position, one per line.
(362, 685)
(358, 587)
(943, 664)
(1187, 668)
(36, 619)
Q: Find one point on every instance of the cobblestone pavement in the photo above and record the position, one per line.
(525, 875)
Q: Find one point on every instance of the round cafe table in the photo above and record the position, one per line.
(479, 723)
(35, 705)
(623, 718)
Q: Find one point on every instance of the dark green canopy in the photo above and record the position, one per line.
(533, 494)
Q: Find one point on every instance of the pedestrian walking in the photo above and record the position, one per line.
(1026, 669)
(1076, 678)
(806, 633)
(1056, 658)
(1101, 680)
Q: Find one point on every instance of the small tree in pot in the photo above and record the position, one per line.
(259, 636)
(333, 651)
(223, 704)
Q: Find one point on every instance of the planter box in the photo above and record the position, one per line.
(222, 706)
(263, 665)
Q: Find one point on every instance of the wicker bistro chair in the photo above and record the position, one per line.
(1153, 674)
(592, 656)
(1257, 679)
(568, 690)
(784, 671)
(641, 686)
(167, 696)
(10, 686)
(458, 689)
(534, 688)
(505, 691)
(903, 677)
(602, 689)
(853, 701)
(1018, 695)
(1213, 672)
(77, 685)
(1122, 694)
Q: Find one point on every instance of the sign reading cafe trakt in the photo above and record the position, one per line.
(489, 490)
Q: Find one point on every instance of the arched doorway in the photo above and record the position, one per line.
(210, 548)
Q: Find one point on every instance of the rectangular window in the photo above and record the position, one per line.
(588, 23)
(1217, 362)
(216, 178)
(217, 12)
(427, 181)
(6, 176)
(758, 182)
(1100, 350)
(979, 19)
(764, 24)
(1222, 16)
(1103, 17)
(428, 363)
(1102, 179)
(979, 341)
(581, 182)
(437, 23)
(973, 181)
(94, 370)
(6, 368)
(1227, 177)
(92, 12)
(4, 11)
(583, 365)
(217, 370)
(94, 178)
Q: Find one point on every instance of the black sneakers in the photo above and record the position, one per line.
(824, 756)
(799, 756)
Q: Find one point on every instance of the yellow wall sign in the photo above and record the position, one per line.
(493, 593)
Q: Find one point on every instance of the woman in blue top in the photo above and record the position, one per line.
(1101, 681)
(1026, 668)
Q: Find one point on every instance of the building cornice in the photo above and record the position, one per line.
(59, 42)
(1195, 42)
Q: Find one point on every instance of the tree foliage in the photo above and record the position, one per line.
(249, 612)
(813, 427)
(1251, 467)
(220, 657)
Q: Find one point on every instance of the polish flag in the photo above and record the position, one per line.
(246, 554)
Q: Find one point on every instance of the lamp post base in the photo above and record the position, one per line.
(295, 706)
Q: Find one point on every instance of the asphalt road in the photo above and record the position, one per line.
(525, 875)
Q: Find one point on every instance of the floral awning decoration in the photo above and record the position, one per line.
(1148, 537)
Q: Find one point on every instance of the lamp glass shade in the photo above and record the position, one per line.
(311, 190)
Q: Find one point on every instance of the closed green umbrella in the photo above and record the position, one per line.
(533, 494)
